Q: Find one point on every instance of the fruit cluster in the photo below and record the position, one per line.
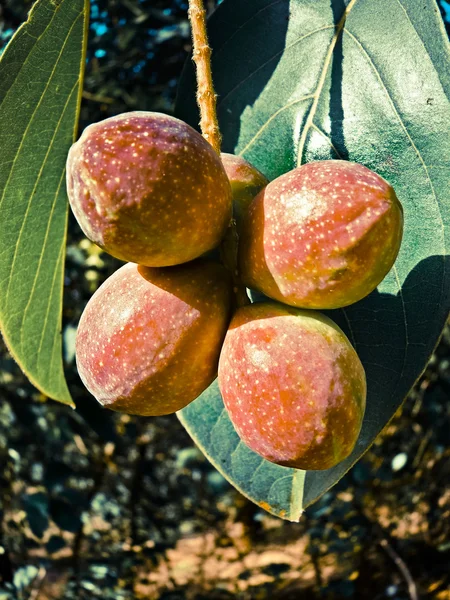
(150, 190)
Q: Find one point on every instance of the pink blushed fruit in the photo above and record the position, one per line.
(148, 189)
(149, 339)
(321, 236)
(293, 385)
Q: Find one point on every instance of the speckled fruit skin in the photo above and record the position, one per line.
(321, 236)
(148, 189)
(149, 339)
(293, 385)
(246, 182)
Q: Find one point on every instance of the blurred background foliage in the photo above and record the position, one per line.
(95, 504)
(136, 50)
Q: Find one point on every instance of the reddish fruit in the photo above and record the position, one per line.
(149, 339)
(293, 385)
(321, 236)
(246, 181)
(148, 189)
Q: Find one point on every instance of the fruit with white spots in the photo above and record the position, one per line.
(149, 339)
(246, 182)
(321, 236)
(293, 385)
(148, 189)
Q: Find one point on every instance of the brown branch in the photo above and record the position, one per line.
(206, 96)
(402, 567)
(209, 124)
(97, 98)
(387, 547)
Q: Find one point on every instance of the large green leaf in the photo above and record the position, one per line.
(40, 90)
(367, 81)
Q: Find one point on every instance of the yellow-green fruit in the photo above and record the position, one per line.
(148, 189)
(246, 182)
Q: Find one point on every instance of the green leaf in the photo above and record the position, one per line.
(41, 73)
(365, 81)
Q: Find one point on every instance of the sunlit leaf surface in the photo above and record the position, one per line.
(40, 88)
(365, 81)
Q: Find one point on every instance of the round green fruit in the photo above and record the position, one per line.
(293, 385)
(149, 339)
(148, 189)
(321, 236)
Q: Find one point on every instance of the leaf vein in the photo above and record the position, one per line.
(41, 257)
(300, 39)
(400, 120)
(38, 178)
(321, 82)
(52, 287)
(26, 32)
(327, 138)
(255, 472)
(297, 493)
(36, 109)
(266, 124)
(425, 168)
(405, 320)
(349, 325)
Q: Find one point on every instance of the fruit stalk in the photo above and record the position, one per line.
(206, 96)
(209, 124)
(229, 257)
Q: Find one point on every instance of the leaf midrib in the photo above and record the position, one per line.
(19, 32)
(32, 194)
(360, 46)
(44, 162)
(18, 151)
(276, 55)
(321, 81)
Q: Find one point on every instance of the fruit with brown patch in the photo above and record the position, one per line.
(148, 189)
(293, 385)
(149, 339)
(321, 236)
